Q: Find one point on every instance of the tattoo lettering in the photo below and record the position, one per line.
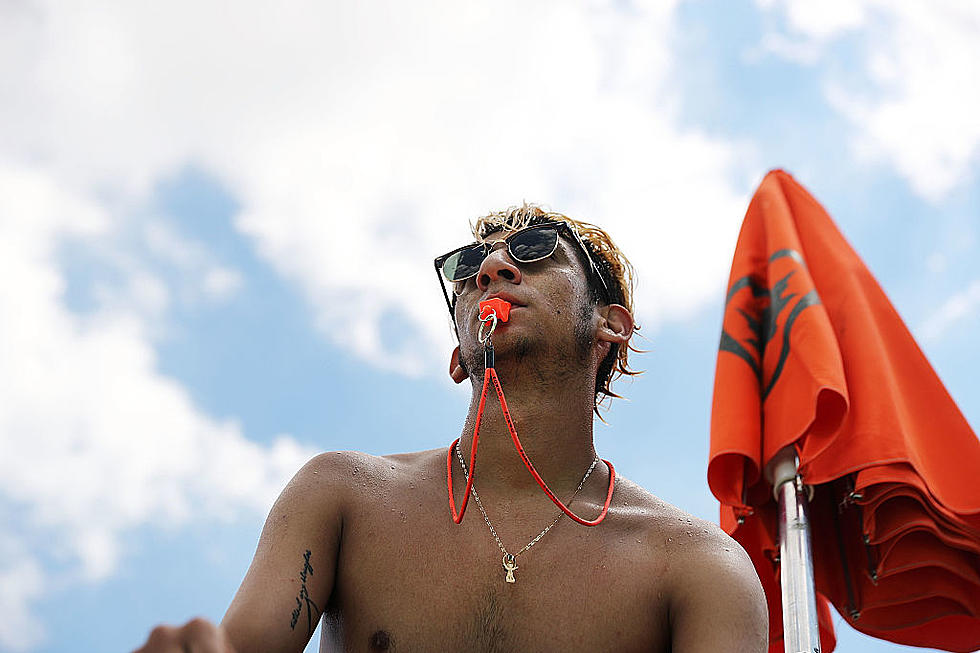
(304, 599)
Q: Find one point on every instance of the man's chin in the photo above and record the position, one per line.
(509, 345)
(513, 345)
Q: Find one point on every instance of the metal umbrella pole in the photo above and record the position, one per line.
(801, 631)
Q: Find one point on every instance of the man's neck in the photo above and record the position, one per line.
(553, 418)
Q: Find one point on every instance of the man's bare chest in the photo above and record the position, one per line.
(414, 581)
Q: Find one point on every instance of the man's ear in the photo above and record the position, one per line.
(615, 324)
(456, 370)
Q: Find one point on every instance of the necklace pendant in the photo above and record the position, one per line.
(510, 564)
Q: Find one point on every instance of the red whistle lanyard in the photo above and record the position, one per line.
(490, 375)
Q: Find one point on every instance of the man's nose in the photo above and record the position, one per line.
(497, 265)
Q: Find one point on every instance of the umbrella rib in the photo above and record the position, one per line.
(852, 608)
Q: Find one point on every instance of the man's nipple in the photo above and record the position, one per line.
(380, 641)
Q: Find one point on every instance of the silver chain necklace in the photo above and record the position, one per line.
(510, 559)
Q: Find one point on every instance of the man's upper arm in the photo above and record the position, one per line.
(718, 602)
(291, 576)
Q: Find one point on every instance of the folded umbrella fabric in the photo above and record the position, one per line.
(814, 356)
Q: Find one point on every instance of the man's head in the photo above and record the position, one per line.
(604, 273)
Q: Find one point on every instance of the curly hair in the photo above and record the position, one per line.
(610, 263)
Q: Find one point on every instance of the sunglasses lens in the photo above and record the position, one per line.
(534, 244)
(525, 246)
(464, 263)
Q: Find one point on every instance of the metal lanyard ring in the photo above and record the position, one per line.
(490, 319)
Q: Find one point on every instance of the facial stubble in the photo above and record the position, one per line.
(525, 346)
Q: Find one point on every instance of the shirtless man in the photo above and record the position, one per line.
(370, 543)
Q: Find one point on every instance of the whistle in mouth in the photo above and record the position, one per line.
(495, 305)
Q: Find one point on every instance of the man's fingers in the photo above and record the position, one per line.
(162, 639)
(196, 636)
(201, 636)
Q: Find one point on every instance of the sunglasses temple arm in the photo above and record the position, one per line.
(442, 284)
(592, 263)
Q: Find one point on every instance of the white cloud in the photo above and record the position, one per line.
(954, 309)
(21, 583)
(199, 275)
(824, 20)
(93, 440)
(141, 292)
(913, 99)
(221, 283)
(801, 51)
(358, 138)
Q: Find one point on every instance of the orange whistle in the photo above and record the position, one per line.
(495, 305)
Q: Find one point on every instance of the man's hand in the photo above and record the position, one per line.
(198, 635)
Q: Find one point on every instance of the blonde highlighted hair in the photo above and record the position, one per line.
(611, 264)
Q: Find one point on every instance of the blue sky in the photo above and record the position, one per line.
(216, 234)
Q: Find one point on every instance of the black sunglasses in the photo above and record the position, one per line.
(526, 245)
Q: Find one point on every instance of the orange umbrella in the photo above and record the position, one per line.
(814, 356)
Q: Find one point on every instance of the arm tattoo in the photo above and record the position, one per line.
(304, 600)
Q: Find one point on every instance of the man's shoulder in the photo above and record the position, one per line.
(640, 506)
(675, 533)
(350, 472)
(696, 557)
(354, 462)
